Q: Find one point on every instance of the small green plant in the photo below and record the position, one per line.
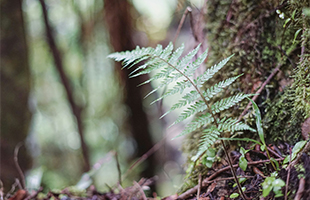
(235, 195)
(243, 163)
(297, 148)
(169, 68)
(262, 143)
(273, 183)
(209, 157)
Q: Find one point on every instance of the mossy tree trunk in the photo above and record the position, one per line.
(270, 39)
(15, 88)
(261, 35)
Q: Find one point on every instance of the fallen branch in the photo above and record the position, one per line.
(301, 189)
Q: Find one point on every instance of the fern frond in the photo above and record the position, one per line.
(217, 88)
(191, 68)
(208, 94)
(210, 72)
(179, 87)
(129, 56)
(229, 102)
(232, 125)
(186, 59)
(148, 67)
(198, 106)
(186, 99)
(200, 121)
(176, 54)
(166, 52)
(170, 68)
(209, 137)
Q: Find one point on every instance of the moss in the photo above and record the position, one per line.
(254, 31)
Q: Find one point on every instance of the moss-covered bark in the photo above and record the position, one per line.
(261, 35)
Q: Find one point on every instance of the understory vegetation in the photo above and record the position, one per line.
(232, 76)
(169, 68)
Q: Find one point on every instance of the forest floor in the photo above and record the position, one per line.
(217, 184)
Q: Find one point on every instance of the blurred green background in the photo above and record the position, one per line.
(82, 36)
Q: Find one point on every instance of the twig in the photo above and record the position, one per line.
(16, 183)
(187, 10)
(233, 171)
(199, 186)
(228, 178)
(35, 194)
(140, 190)
(76, 110)
(155, 148)
(20, 172)
(118, 169)
(88, 175)
(206, 182)
(274, 153)
(260, 90)
(301, 189)
(284, 52)
(288, 177)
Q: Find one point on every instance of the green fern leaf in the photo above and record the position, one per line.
(200, 121)
(177, 88)
(229, 102)
(186, 59)
(176, 54)
(191, 68)
(232, 125)
(170, 68)
(166, 52)
(210, 136)
(186, 99)
(148, 67)
(198, 106)
(217, 88)
(210, 72)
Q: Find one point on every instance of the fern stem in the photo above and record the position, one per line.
(193, 84)
(233, 172)
(209, 108)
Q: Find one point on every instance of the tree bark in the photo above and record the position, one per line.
(15, 88)
(120, 27)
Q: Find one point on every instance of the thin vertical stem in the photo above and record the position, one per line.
(76, 109)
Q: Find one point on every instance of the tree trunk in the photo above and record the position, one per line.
(120, 26)
(15, 87)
